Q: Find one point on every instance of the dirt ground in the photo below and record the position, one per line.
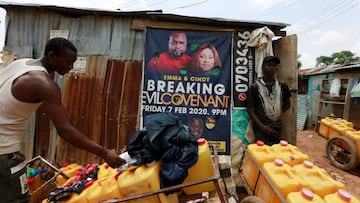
(314, 145)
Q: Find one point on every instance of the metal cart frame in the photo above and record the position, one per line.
(261, 172)
(214, 179)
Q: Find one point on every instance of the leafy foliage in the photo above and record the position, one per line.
(337, 58)
(299, 64)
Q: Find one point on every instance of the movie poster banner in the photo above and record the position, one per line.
(188, 73)
(243, 65)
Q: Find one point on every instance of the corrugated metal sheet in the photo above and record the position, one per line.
(314, 92)
(157, 15)
(329, 69)
(315, 77)
(121, 98)
(349, 67)
(301, 111)
(104, 101)
(82, 98)
(92, 35)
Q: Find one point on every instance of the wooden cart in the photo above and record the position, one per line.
(343, 152)
(41, 192)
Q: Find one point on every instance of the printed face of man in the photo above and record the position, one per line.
(206, 60)
(177, 44)
(196, 128)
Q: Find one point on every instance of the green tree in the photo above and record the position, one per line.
(324, 61)
(337, 58)
(298, 61)
(344, 57)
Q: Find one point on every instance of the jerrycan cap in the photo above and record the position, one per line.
(283, 143)
(278, 162)
(344, 195)
(260, 143)
(308, 164)
(307, 194)
(201, 141)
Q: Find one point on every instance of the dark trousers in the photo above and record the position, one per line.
(13, 182)
(268, 139)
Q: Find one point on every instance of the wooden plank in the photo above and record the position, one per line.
(286, 49)
(112, 95)
(340, 106)
(129, 109)
(121, 103)
(141, 24)
(347, 100)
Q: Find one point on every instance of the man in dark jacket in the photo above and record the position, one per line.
(267, 99)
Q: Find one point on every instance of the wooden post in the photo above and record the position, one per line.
(286, 49)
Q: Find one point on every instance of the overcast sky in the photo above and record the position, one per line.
(322, 26)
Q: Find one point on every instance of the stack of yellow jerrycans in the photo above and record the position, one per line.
(307, 196)
(137, 180)
(330, 127)
(69, 170)
(145, 178)
(103, 188)
(282, 173)
(340, 133)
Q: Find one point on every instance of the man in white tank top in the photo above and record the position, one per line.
(25, 85)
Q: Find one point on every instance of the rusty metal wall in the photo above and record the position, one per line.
(81, 96)
(102, 102)
(121, 99)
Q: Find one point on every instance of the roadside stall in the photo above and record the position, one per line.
(112, 88)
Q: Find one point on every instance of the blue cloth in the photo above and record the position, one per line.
(165, 138)
(34, 172)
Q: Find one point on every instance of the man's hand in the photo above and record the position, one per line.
(267, 130)
(112, 158)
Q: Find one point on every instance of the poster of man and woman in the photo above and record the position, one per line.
(188, 73)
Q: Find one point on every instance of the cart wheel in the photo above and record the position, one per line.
(342, 153)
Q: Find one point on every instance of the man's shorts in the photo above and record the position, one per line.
(13, 182)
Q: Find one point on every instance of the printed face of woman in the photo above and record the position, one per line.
(206, 60)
